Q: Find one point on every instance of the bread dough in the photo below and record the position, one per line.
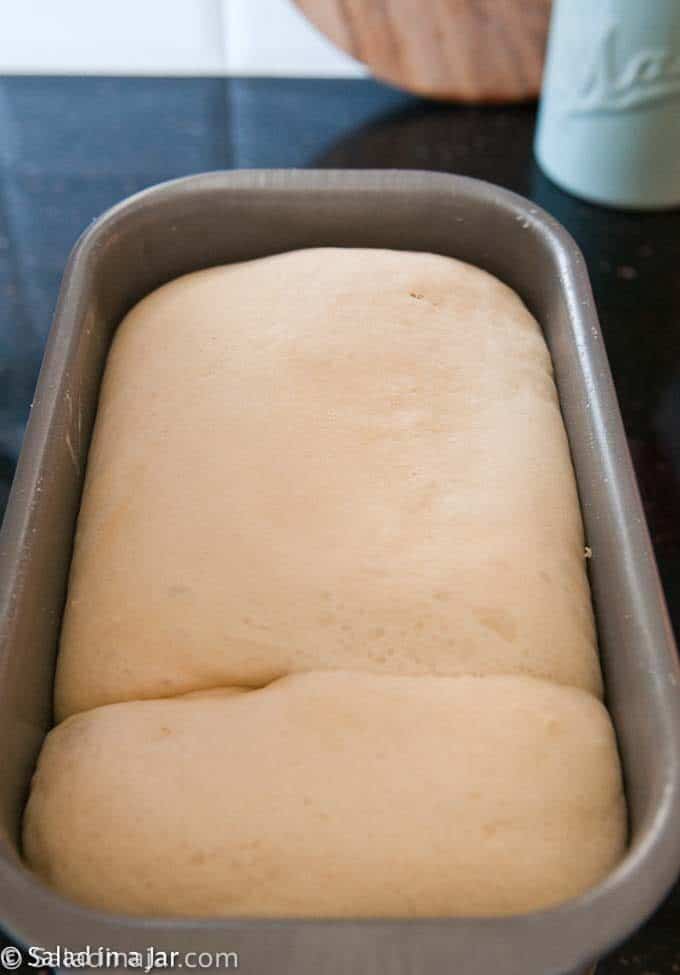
(330, 458)
(332, 794)
(329, 561)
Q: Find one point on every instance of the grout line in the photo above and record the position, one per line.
(223, 25)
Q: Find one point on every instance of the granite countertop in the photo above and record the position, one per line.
(71, 147)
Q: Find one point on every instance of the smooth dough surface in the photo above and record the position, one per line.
(332, 794)
(329, 458)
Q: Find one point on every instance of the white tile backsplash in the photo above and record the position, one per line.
(272, 37)
(242, 37)
(121, 37)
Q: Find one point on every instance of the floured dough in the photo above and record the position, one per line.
(326, 459)
(332, 794)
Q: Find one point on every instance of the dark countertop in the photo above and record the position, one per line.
(70, 148)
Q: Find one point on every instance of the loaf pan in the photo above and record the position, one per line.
(221, 217)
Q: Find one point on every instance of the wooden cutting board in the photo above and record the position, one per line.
(466, 50)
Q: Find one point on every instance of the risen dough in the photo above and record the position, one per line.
(332, 794)
(326, 459)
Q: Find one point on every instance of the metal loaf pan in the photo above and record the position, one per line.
(220, 217)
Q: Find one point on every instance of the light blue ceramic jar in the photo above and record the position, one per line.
(609, 121)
